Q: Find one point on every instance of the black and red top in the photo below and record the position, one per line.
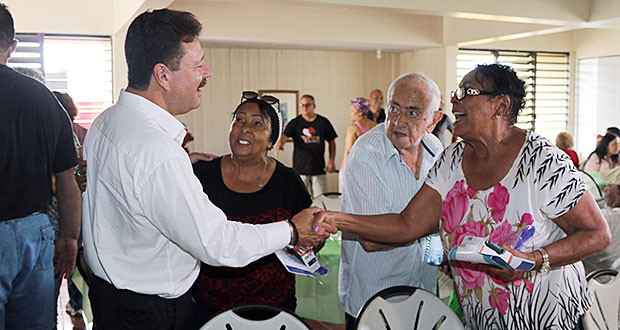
(264, 280)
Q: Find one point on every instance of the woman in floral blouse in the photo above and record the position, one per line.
(492, 184)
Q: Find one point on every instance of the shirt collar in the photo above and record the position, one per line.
(163, 118)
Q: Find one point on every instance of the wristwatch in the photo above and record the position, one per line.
(545, 261)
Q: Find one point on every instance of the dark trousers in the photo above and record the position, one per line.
(125, 309)
(349, 322)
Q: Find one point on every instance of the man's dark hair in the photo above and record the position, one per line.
(504, 81)
(155, 37)
(308, 96)
(7, 28)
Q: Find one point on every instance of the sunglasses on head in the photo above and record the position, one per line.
(249, 95)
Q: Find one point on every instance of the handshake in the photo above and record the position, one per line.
(314, 226)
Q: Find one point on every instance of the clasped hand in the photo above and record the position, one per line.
(309, 234)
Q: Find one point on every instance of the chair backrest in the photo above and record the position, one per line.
(593, 187)
(256, 316)
(603, 315)
(420, 310)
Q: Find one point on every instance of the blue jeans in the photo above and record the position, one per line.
(27, 273)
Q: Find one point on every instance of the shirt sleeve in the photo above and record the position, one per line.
(330, 132)
(65, 155)
(559, 186)
(173, 200)
(440, 173)
(290, 128)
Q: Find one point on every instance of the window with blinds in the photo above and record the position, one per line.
(546, 76)
(78, 65)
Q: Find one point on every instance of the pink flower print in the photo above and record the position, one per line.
(454, 207)
(498, 200)
(529, 286)
(499, 300)
(471, 274)
(503, 234)
(471, 192)
(527, 219)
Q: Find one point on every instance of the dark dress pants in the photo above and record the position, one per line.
(125, 309)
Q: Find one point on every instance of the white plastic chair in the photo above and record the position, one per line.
(603, 315)
(422, 310)
(272, 318)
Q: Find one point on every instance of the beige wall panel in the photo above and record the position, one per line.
(332, 77)
(596, 43)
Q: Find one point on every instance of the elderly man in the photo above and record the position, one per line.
(146, 218)
(36, 142)
(376, 113)
(386, 167)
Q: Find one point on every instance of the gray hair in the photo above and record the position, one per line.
(418, 77)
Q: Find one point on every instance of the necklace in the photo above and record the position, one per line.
(259, 178)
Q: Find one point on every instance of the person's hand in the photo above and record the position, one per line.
(370, 246)
(278, 148)
(508, 275)
(65, 251)
(323, 218)
(80, 175)
(196, 156)
(331, 168)
(308, 236)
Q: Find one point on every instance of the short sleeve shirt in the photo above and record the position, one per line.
(36, 141)
(309, 138)
(541, 185)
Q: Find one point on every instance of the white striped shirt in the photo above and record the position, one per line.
(378, 181)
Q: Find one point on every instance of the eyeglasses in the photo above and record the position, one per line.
(306, 105)
(271, 100)
(463, 92)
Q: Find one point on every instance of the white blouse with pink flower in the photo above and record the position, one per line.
(541, 185)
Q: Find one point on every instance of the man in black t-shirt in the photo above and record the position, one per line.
(36, 141)
(309, 132)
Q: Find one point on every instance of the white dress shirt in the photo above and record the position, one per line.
(378, 181)
(146, 220)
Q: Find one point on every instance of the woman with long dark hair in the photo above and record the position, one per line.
(605, 156)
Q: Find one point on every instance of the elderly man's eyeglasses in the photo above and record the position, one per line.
(463, 92)
(306, 105)
(271, 100)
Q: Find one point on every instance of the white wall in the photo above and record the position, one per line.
(332, 77)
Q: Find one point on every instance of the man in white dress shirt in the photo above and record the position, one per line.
(385, 169)
(146, 221)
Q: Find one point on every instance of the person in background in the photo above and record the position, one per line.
(250, 187)
(74, 306)
(35, 143)
(564, 141)
(494, 182)
(310, 131)
(385, 169)
(359, 108)
(444, 124)
(72, 110)
(147, 223)
(605, 156)
(376, 113)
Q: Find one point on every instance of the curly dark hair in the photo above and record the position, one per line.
(155, 37)
(504, 81)
(7, 28)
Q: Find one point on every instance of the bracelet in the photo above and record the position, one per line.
(294, 234)
(545, 266)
